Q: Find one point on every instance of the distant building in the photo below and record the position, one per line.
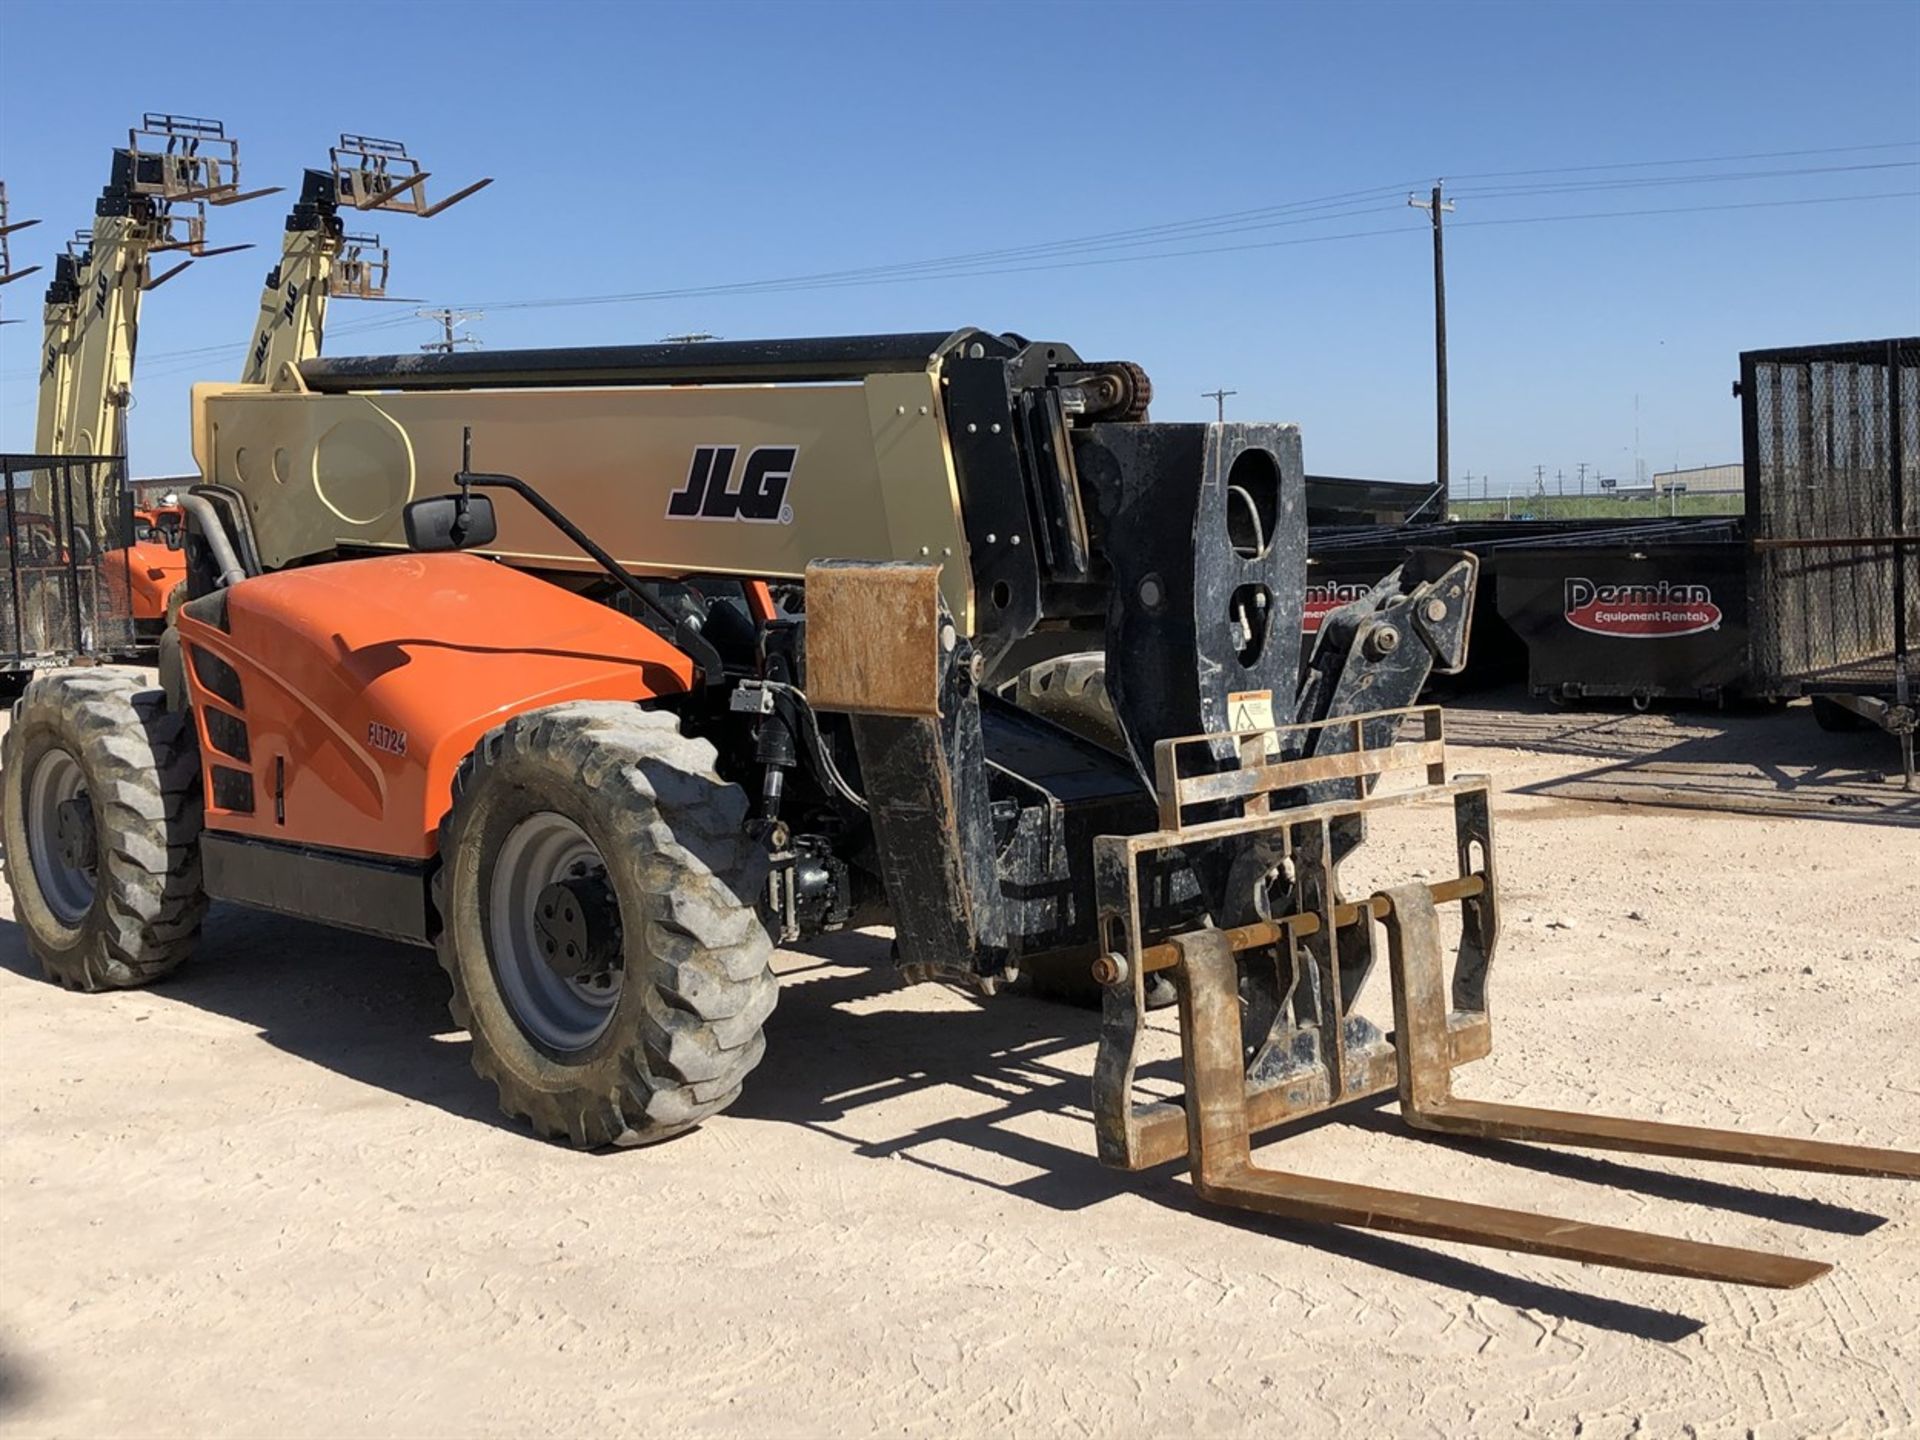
(1703, 480)
(155, 489)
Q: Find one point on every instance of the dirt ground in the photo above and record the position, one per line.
(269, 1197)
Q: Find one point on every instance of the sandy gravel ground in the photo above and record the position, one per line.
(268, 1197)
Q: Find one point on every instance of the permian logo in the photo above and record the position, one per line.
(761, 496)
(1323, 600)
(1640, 612)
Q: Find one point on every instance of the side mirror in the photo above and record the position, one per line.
(449, 522)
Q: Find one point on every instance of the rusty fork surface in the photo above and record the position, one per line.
(1420, 1018)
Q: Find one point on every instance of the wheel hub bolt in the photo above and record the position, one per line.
(74, 833)
(577, 924)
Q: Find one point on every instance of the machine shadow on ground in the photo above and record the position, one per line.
(1747, 759)
(371, 1010)
(375, 1012)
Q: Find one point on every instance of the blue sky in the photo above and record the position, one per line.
(661, 147)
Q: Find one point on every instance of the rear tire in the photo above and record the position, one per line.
(102, 811)
(615, 801)
(1071, 691)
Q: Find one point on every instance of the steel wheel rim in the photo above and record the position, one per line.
(67, 890)
(562, 1014)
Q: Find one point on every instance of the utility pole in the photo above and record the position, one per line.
(1639, 469)
(1540, 480)
(448, 320)
(1560, 483)
(1583, 477)
(1219, 398)
(1435, 208)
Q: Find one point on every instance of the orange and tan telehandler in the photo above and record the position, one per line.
(605, 671)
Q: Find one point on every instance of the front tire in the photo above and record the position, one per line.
(102, 810)
(598, 895)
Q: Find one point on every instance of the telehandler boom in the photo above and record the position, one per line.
(102, 585)
(155, 202)
(710, 648)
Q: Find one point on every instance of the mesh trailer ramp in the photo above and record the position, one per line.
(1831, 435)
(64, 583)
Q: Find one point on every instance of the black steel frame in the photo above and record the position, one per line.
(85, 578)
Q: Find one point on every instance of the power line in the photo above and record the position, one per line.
(1696, 209)
(769, 287)
(1146, 234)
(1335, 206)
(1692, 160)
(985, 263)
(802, 284)
(1651, 181)
(351, 328)
(180, 362)
(1058, 255)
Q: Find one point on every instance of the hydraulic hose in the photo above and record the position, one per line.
(214, 530)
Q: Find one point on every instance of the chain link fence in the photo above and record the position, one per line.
(1832, 445)
(64, 588)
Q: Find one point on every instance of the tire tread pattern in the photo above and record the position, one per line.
(679, 831)
(143, 769)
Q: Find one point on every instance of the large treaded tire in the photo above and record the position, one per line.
(1071, 691)
(697, 979)
(142, 777)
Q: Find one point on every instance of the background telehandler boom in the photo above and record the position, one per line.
(155, 202)
(321, 261)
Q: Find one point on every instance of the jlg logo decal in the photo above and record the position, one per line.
(1640, 612)
(761, 496)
